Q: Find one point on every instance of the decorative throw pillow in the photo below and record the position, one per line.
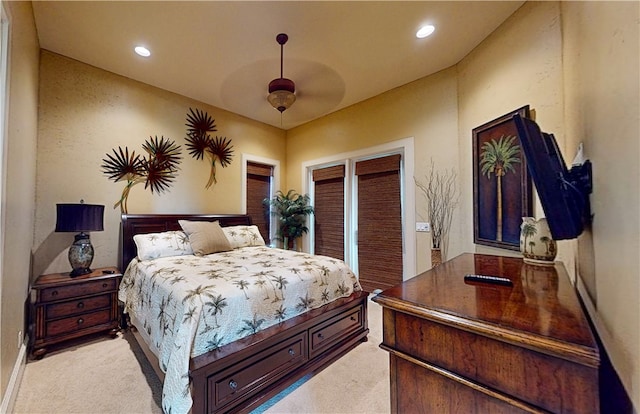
(243, 236)
(170, 243)
(205, 237)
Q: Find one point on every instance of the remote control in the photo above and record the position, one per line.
(489, 279)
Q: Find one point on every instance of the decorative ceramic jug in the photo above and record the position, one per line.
(536, 244)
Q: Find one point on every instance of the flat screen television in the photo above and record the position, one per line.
(564, 193)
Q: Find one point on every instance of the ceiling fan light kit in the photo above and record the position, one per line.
(281, 90)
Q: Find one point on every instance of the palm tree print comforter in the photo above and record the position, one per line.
(190, 305)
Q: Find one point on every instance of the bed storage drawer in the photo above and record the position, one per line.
(258, 370)
(335, 329)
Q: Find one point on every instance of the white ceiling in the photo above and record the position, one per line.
(224, 53)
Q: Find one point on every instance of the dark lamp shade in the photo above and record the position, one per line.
(79, 217)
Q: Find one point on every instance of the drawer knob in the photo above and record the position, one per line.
(80, 305)
(353, 318)
(104, 285)
(320, 336)
(292, 352)
(80, 321)
(233, 385)
(54, 293)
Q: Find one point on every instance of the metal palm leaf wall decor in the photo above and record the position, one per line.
(200, 143)
(157, 170)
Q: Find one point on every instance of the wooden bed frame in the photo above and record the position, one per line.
(242, 375)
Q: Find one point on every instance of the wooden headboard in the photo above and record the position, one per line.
(133, 224)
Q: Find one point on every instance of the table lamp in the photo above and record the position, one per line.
(81, 218)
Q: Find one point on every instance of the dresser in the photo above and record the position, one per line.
(65, 308)
(457, 346)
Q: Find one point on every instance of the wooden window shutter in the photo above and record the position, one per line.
(379, 223)
(258, 188)
(329, 211)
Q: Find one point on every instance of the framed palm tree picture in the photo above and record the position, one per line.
(502, 190)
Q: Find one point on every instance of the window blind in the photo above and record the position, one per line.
(329, 211)
(379, 222)
(258, 188)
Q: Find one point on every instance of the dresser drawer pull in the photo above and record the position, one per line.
(233, 385)
(80, 321)
(292, 352)
(353, 318)
(104, 285)
(54, 293)
(80, 305)
(320, 336)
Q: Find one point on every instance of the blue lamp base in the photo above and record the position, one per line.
(81, 255)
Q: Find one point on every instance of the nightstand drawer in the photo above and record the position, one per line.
(74, 307)
(75, 323)
(80, 289)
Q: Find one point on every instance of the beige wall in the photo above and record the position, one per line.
(425, 110)
(518, 64)
(19, 197)
(602, 94)
(86, 112)
(576, 65)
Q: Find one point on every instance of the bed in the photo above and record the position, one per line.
(244, 371)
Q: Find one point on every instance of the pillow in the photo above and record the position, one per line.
(205, 237)
(170, 243)
(243, 236)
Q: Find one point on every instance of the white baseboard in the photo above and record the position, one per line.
(10, 395)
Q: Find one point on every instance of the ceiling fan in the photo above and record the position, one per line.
(317, 90)
(282, 90)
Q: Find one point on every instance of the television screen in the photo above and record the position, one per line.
(564, 193)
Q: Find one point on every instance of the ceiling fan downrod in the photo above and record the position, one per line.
(282, 90)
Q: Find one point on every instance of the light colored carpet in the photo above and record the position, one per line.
(113, 376)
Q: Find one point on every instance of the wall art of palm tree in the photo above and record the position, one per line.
(502, 191)
(498, 158)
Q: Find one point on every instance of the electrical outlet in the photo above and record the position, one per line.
(422, 226)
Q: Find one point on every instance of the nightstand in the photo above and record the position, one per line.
(65, 308)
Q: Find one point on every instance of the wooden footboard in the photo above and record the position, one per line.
(242, 375)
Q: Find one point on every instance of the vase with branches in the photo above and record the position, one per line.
(441, 195)
(157, 170)
(292, 210)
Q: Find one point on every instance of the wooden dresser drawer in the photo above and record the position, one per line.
(511, 369)
(256, 371)
(335, 329)
(76, 290)
(74, 307)
(444, 395)
(76, 323)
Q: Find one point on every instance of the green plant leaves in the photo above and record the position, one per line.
(292, 210)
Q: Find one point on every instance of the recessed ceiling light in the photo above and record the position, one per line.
(425, 31)
(142, 51)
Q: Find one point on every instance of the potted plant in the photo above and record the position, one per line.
(292, 210)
